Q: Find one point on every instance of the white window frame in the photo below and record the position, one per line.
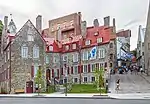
(99, 40)
(75, 57)
(101, 53)
(74, 72)
(74, 46)
(65, 57)
(86, 80)
(24, 51)
(50, 48)
(85, 65)
(36, 51)
(93, 69)
(46, 59)
(87, 42)
(85, 55)
(101, 65)
(30, 37)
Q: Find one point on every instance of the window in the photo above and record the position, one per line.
(110, 64)
(30, 38)
(50, 48)
(75, 57)
(24, 51)
(55, 59)
(75, 68)
(87, 42)
(85, 79)
(85, 55)
(111, 56)
(65, 57)
(47, 59)
(74, 46)
(85, 68)
(36, 67)
(92, 79)
(93, 66)
(75, 80)
(71, 23)
(67, 47)
(58, 26)
(101, 53)
(101, 65)
(111, 45)
(99, 40)
(35, 51)
(143, 53)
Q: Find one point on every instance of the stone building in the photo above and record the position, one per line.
(73, 51)
(140, 47)
(23, 53)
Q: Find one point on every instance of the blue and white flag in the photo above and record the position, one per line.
(93, 52)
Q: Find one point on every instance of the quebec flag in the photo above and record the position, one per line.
(93, 52)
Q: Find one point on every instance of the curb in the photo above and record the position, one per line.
(93, 97)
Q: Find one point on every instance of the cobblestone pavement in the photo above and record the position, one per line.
(130, 83)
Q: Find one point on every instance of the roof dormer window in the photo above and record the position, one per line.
(87, 42)
(50, 48)
(67, 47)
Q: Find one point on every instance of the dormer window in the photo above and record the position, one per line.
(50, 48)
(67, 47)
(99, 40)
(74, 46)
(58, 26)
(88, 42)
(96, 33)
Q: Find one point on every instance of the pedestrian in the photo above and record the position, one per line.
(118, 84)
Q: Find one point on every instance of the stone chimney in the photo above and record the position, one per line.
(39, 23)
(58, 35)
(96, 23)
(5, 22)
(83, 28)
(107, 21)
(114, 25)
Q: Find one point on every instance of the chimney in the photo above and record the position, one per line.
(83, 28)
(39, 23)
(5, 22)
(107, 21)
(114, 25)
(96, 23)
(58, 35)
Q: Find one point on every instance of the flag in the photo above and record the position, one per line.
(93, 52)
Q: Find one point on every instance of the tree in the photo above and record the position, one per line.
(1, 27)
(99, 80)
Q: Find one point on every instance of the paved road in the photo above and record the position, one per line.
(68, 101)
(130, 83)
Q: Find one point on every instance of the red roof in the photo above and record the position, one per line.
(49, 41)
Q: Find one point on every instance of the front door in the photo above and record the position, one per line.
(29, 87)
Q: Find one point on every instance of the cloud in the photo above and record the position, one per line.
(128, 13)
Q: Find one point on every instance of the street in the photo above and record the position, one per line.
(130, 83)
(68, 101)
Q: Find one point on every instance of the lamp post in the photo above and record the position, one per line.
(65, 79)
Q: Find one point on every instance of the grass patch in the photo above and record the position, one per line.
(50, 89)
(85, 88)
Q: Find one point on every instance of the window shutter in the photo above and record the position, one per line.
(72, 70)
(61, 71)
(81, 68)
(52, 73)
(78, 69)
(58, 73)
(32, 71)
(89, 68)
(68, 70)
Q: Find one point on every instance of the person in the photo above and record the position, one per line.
(118, 84)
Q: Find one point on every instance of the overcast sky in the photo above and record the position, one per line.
(128, 13)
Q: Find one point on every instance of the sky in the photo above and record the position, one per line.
(129, 14)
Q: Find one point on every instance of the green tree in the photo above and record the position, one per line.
(99, 80)
(1, 27)
(38, 79)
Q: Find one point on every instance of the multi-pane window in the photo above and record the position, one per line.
(35, 52)
(47, 59)
(92, 79)
(75, 80)
(87, 42)
(85, 55)
(75, 57)
(101, 65)
(75, 69)
(30, 38)
(101, 53)
(85, 68)
(85, 79)
(24, 51)
(93, 66)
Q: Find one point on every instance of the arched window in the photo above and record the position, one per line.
(24, 51)
(35, 51)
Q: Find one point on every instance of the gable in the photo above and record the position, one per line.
(28, 29)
